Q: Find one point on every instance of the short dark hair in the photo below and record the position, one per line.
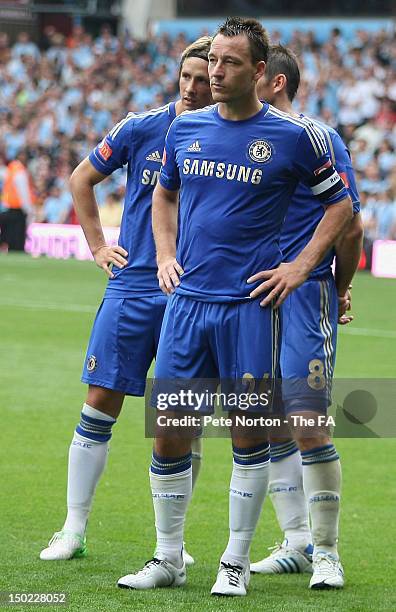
(199, 48)
(256, 34)
(282, 60)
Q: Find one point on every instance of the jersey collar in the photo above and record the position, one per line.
(262, 112)
(172, 110)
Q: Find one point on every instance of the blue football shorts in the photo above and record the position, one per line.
(236, 344)
(123, 343)
(308, 346)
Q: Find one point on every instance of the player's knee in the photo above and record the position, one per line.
(173, 446)
(105, 400)
(305, 443)
(278, 439)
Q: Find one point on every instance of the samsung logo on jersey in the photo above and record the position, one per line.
(221, 170)
(150, 177)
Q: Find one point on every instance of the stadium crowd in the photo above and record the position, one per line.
(58, 100)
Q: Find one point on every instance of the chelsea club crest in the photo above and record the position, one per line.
(92, 363)
(260, 151)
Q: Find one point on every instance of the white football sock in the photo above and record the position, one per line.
(322, 486)
(288, 498)
(171, 495)
(248, 488)
(87, 460)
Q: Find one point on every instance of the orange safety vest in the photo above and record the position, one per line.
(10, 196)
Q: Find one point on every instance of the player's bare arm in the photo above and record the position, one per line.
(348, 250)
(281, 281)
(165, 206)
(82, 183)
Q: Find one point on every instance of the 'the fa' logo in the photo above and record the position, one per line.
(260, 151)
(92, 363)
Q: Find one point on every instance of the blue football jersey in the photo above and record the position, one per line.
(138, 141)
(306, 211)
(236, 181)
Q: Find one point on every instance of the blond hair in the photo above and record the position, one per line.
(199, 48)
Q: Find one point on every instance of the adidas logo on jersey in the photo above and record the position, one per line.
(195, 147)
(156, 157)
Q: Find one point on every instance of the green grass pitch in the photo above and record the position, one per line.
(46, 311)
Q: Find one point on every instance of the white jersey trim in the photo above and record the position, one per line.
(315, 135)
(155, 111)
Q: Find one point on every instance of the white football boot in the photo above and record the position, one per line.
(156, 573)
(187, 558)
(64, 545)
(284, 560)
(232, 580)
(327, 572)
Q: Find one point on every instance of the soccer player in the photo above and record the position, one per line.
(309, 333)
(125, 334)
(236, 165)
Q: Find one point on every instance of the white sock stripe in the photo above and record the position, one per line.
(283, 449)
(177, 467)
(171, 462)
(96, 414)
(96, 428)
(262, 451)
(320, 455)
(170, 476)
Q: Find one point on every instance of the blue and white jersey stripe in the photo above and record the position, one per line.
(136, 141)
(306, 211)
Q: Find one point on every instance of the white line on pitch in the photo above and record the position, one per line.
(49, 306)
(361, 331)
(352, 331)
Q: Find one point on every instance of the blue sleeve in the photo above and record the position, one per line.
(343, 165)
(114, 151)
(314, 167)
(170, 177)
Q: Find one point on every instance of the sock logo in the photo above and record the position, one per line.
(168, 496)
(325, 497)
(282, 490)
(82, 444)
(240, 493)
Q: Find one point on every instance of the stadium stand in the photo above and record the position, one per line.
(58, 100)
